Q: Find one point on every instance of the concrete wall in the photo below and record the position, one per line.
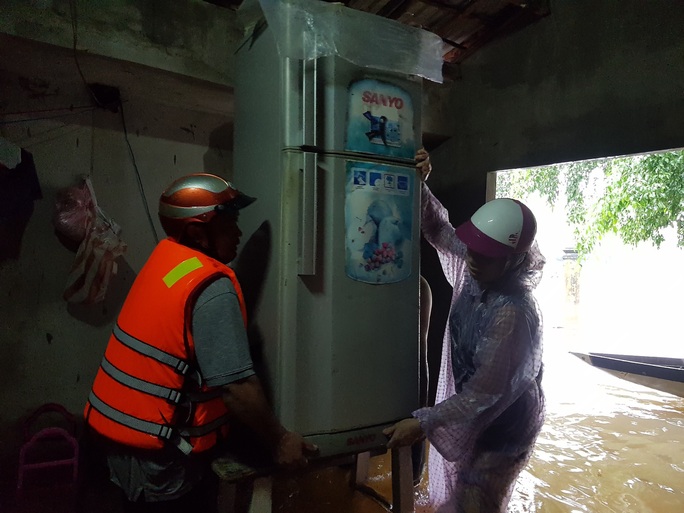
(172, 62)
(51, 350)
(593, 79)
(188, 37)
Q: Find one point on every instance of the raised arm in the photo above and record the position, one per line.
(436, 227)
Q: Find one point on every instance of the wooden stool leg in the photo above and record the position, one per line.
(360, 475)
(226, 497)
(402, 480)
(261, 498)
(246, 496)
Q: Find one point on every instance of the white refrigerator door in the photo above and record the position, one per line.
(350, 361)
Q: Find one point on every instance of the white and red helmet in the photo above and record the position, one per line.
(499, 228)
(197, 198)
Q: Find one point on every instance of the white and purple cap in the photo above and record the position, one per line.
(499, 228)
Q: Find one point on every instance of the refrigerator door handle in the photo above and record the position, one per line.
(308, 229)
(310, 101)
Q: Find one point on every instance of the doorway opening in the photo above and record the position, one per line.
(612, 232)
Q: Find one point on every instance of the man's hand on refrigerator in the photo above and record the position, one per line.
(293, 451)
(423, 165)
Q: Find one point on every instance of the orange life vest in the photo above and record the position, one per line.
(148, 392)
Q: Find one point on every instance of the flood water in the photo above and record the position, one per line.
(608, 446)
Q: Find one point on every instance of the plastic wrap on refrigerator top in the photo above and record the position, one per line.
(309, 29)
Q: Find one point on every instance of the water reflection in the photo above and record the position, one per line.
(607, 446)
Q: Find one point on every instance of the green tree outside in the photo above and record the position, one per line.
(636, 197)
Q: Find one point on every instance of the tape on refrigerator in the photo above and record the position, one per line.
(309, 29)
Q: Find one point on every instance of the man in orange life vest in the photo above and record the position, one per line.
(177, 366)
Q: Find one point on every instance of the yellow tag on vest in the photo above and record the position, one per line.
(181, 270)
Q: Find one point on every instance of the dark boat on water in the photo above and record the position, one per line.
(664, 374)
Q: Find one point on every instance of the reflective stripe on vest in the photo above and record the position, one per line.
(160, 430)
(151, 351)
(144, 426)
(181, 270)
(141, 385)
(172, 395)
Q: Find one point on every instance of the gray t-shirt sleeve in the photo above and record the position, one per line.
(220, 337)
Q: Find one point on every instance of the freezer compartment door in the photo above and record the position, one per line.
(335, 106)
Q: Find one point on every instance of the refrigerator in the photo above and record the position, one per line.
(327, 148)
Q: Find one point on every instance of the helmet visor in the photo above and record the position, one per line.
(480, 243)
(237, 203)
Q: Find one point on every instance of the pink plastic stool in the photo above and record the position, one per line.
(50, 448)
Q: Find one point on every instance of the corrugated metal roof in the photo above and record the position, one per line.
(464, 25)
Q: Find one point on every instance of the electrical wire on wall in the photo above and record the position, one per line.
(113, 103)
(137, 174)
(73, 111)
(34, 139)
(74, 31)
